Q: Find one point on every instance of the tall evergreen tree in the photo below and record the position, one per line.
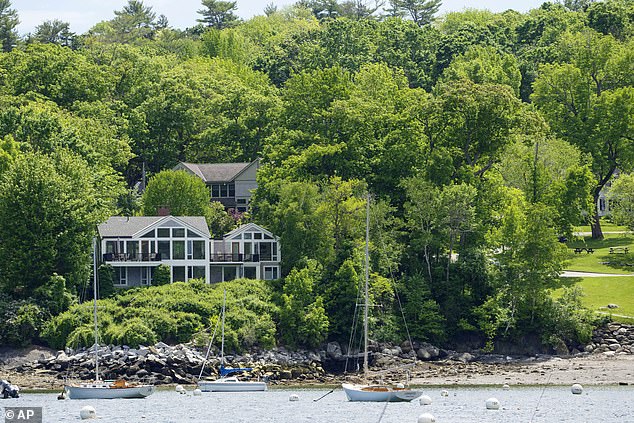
(218, 14)
(421, 11)
(8, 23)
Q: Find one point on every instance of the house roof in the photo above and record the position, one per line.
(249, 227)
(216, 172)
(121, 226)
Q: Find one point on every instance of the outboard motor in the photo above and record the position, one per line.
(9, 390)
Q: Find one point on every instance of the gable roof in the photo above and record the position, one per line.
(249, 227)
(121, 226)
(215, 172)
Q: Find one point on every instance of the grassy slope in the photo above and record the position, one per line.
(601, 291)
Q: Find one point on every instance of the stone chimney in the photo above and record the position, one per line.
(163, 211)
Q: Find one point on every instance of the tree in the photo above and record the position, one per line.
(485, 65)
(49, 209)
(162, 275)
(527, 265)
(303, 320)
(360, 9)
(218, 14)
(181, 192)
(590, 103)
(292, 211)
(421, 11)
(478, 120)
(54, 32)
(9, 149)
(135, 17)
(621, 197)
(270, 9)
(8, 24)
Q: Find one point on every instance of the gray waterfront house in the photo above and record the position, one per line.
(229, 183)
(135, 246)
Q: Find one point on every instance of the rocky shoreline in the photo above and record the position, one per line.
(607, 359)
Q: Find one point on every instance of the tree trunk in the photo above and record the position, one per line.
(597, 233)
(595, 224)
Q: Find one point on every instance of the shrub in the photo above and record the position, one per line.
(173, 313)
(82, 336)
(106, 281)
(162, 275)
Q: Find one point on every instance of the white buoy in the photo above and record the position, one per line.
(444, 393)
(293, 397)
(87, 412)
(197, 392)
(493, 404)
(425, 400)
(400, 385)
(426, 418)
(179, 389)
(506, 387)
(576, 389)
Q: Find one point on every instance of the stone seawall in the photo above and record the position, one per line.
(614, 338)
(165, 364)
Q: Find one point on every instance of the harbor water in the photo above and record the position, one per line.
(461, 404)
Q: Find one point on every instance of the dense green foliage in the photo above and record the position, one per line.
(482, 137)
(172, 313)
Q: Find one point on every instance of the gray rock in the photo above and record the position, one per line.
(333, 349)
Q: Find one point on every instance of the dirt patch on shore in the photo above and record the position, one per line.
(594, 369)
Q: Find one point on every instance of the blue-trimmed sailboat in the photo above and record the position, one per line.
(227, 382)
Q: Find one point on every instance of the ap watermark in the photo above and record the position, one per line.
(22, 414)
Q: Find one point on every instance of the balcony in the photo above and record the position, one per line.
(235, 258)
(132, 257)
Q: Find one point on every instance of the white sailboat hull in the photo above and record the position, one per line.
(379, 393)
(106, 392)
(230, 385)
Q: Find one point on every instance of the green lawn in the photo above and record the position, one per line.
(599, 292)
(605, 227)
(601, 261)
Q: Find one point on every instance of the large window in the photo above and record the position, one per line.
(265, 251)
(178, 274)
(223, 190)
(249, 272)
(146, 275)
(196, 272)
(132, 249)
(196, 250)
(270, 272)
(164, 249)
(178, 250)
(230, 273)
(120, 276)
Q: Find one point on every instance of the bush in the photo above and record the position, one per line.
(162, 275)
(106, 281)
(173, 313)
(22, 321)
(82, 336)
(133, 333)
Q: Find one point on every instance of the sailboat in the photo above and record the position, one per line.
(378, 392)
(104, 389)
(227, 382)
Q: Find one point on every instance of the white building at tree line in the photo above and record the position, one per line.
(136, 246)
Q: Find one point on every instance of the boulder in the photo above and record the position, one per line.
(333, 349)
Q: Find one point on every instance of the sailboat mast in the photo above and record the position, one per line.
(94, 300)
(222, 344)
(366, 297)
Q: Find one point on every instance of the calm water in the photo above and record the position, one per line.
(519, 404)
